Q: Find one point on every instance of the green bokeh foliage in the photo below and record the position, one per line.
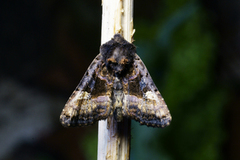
(181, 59)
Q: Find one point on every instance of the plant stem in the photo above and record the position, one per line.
(114, 137)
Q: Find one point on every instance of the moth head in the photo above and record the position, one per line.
(118, 54)
(118, 62)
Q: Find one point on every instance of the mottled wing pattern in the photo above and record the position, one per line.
(142, 100)
(91, 100)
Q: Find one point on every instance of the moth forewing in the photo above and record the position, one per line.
(84, 107)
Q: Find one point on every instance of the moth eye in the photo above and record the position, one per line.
(124, 61)
(111, 60)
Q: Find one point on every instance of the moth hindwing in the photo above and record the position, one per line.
(118, 84)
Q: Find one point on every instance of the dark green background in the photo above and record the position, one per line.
(191, 49)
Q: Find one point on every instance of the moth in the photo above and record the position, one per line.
(117, 84)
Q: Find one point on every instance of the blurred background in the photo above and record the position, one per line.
(191, 49)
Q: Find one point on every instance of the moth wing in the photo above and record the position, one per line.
(91, 100)
(142, 100)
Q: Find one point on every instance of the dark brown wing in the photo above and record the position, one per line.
(142, 100)
(91, 100)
